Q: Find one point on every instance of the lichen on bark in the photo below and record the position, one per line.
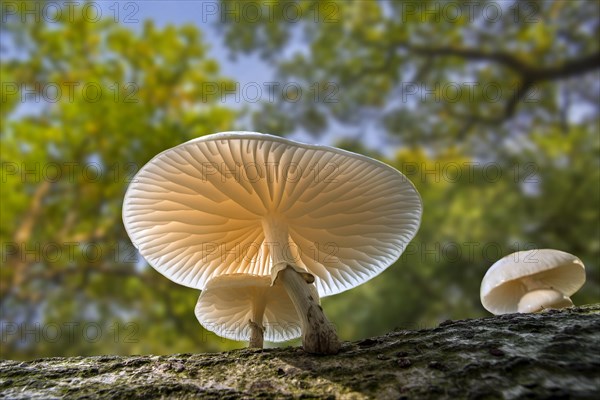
(553, 354)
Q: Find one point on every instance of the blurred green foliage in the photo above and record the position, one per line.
(66, 257)
(495, 177)
(435, 73)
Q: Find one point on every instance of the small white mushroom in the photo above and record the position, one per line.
(244, 202)
(531, 281)
(247, 307)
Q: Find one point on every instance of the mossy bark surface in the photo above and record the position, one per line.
(553, 354)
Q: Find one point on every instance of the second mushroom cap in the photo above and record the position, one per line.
(229, 302)
(527, 281)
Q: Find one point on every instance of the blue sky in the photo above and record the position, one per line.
(247, 70)
(200, 13)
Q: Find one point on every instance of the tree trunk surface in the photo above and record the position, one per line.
(553, 354)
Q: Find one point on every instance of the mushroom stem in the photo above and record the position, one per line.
(318, 334)
(538, 300)
(257, 333)
(257, 330)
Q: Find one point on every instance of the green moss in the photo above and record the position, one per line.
(541, 355)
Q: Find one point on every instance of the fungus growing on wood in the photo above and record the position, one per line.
(247, 307)
(250, 203)
(531, 281)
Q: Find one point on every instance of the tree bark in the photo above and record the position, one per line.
(553, 354)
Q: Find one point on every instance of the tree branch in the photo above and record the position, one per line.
(527, 71)
(553, 354)
(529, 74)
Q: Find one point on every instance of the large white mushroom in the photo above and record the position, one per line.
(250, 203)
(532, 280)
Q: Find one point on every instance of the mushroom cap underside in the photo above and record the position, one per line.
(225, 307)
(194, 211)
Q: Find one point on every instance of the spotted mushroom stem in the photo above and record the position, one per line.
(541, 299)
(318, 334)
(257, 330)
(257, 334)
